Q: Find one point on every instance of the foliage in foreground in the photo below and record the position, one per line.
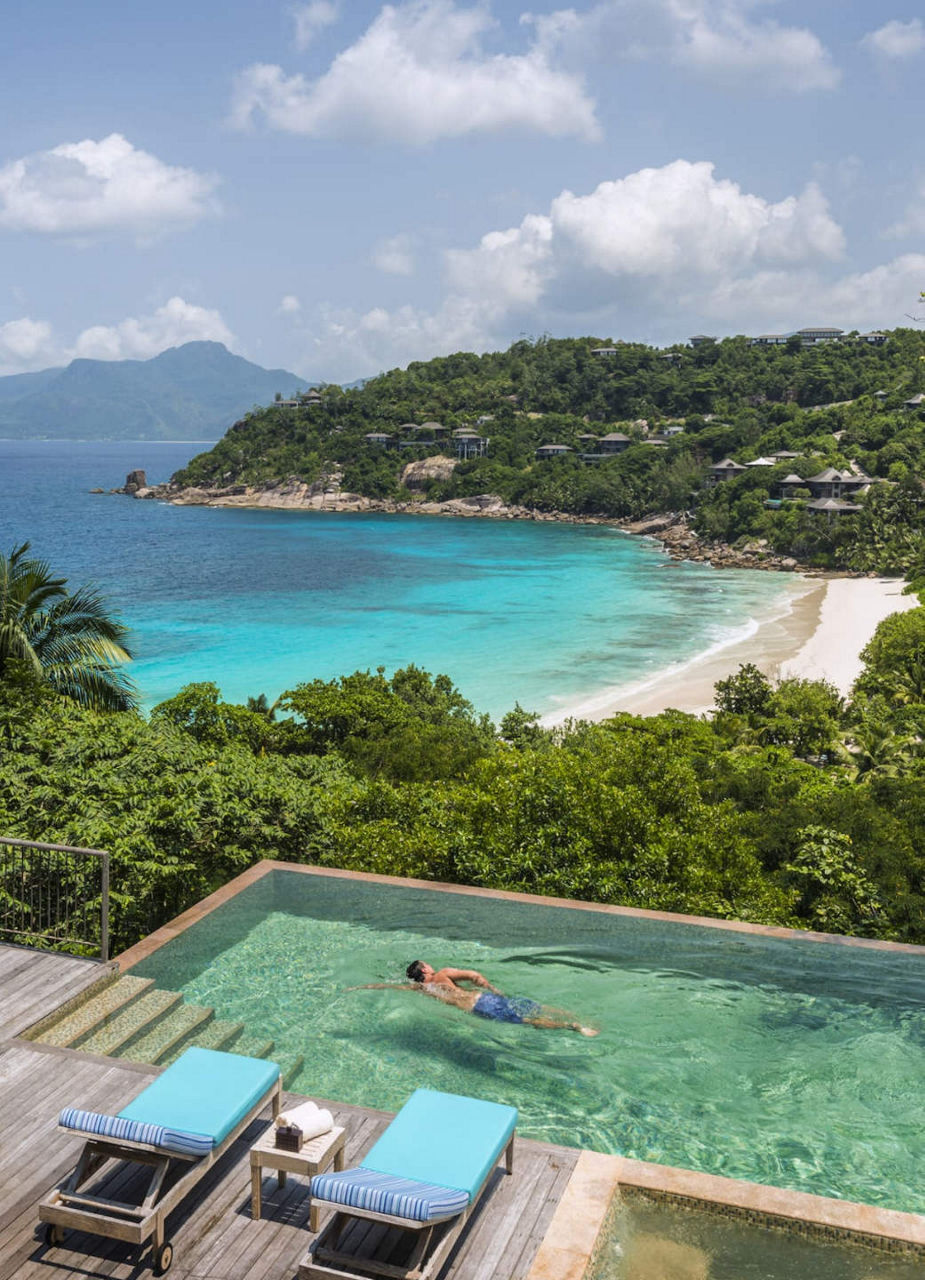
(787, 807)
(68, 639)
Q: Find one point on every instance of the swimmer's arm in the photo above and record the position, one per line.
(384, 986)
(473, 976)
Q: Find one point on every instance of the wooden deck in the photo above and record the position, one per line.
(214, 1235)
(33, 983)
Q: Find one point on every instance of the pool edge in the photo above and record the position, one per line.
(154, 941)
(570, 1247)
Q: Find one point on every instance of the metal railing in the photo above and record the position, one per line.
(54, 896)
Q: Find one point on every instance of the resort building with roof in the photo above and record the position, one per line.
(724, 470)
(553, 450)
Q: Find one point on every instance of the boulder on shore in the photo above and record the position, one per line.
(418, 474)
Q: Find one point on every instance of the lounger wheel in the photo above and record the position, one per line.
(53, 1234)
(163, 1257)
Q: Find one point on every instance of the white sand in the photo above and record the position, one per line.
(850, 612)
(821, 637)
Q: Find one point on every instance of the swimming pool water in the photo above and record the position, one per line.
(787, 1062)
(651, 1241)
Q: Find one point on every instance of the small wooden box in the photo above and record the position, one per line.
(289, 1138)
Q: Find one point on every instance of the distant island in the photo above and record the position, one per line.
(192, 392)
(806, 451)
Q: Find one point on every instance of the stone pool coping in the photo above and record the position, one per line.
(175, 927)
(569, 1246)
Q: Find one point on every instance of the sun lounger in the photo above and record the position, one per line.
(424, 1177)
(177, 1127)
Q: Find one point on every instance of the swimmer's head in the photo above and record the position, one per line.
(418, 971)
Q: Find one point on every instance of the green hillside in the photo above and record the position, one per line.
(730, 398)
(188, 392)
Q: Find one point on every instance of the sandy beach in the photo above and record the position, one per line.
(821, 637)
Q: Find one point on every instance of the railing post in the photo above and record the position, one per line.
(104, 908)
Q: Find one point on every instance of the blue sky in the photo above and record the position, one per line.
(339, 188)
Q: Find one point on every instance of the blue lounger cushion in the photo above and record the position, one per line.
(444, 1139)
(381, 1193)
(156, 1135)
(204, 1092)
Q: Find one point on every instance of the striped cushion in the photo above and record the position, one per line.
(383, 1193)
(156, 1135)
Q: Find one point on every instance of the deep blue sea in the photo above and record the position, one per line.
(258, 601)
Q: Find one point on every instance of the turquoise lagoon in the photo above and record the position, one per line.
(779, 1060)
(545, 614)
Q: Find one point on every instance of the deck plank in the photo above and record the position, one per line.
(33, 983)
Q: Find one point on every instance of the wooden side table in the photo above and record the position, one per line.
(313, 1157)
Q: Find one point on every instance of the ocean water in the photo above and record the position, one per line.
(544, 614)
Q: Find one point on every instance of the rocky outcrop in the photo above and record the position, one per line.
(418, 474)
(683, 543)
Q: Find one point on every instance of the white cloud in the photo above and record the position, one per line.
(27, 344)
(721, 40)
(290, 305)
(394, 256)
(912, 222)
(877, 298)
(23, 341)
(142, 337)
(681, 220)
(311, 18)
(417, 74)
(89, 187)
(645, 255)
(897, 39)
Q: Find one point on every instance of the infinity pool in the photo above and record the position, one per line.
(783, 1061)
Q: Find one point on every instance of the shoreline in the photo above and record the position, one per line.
(820, 636)
(820, 633)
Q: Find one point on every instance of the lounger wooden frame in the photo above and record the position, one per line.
(69, 1208)
(327, 1259)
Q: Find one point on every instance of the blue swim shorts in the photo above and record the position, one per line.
(505, 1008)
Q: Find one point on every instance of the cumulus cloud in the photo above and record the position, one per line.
(290, 305)
(417, 74)
(897, 39)
(142, 337)
(90, 187)
(912, 222)
(779, 300)
(32, 344)
(394, 256)
(653, 255)
(722, 40)
(22, 342)
(311, 18)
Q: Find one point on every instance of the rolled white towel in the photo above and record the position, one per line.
(310, 1118)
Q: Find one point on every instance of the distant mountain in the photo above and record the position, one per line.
(193, 392)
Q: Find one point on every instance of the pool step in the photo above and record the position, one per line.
(217, 1034)
(109, 1003)
(290, 1068)
(136, 1020)
(252, 1047)
(182, 1026)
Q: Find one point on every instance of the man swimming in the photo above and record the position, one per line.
(444, 985)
